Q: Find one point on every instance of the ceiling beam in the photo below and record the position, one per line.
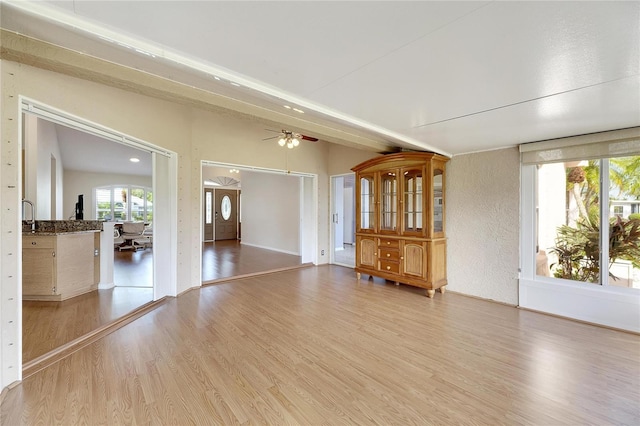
(26, 50)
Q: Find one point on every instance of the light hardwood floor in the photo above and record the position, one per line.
(315, 346)
(49, 325)
(133, 268)
(229, 258)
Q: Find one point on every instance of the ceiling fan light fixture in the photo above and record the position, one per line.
(290, 139)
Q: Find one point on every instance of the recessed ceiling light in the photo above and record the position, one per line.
(298, 110)
(216, 77)
(235, 84)
(134, 160)
(287, 106)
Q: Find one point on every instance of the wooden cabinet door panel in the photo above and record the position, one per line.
(414, 259)
(366, 204)
(368, 250)
(38, 271)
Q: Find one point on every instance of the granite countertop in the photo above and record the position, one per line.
(50, 233)
(58, 227)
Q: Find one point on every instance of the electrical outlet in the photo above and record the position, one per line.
(321, 252)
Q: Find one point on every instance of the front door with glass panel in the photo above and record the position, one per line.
(226, 214)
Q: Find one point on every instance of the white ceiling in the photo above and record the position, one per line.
(453, 77)
(79, 151)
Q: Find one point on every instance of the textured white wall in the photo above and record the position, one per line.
(271, 211)
(483, 193)
(41, 143)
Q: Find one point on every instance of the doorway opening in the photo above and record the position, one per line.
(343, 220)
(274, 218)
(60, 153)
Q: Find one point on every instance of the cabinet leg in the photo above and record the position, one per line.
(431, 293)
(397, 283)
(443, 289)
(358, 275)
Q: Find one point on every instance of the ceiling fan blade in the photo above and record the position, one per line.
(309, 138)
(272, 137)
(275, 131)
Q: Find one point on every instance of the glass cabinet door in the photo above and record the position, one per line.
(367, 203)
(413, 201)
(388, 201)
(438, 201)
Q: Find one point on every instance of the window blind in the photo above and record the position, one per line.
(615, 143)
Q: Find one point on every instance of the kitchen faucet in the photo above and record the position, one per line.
(31, 222)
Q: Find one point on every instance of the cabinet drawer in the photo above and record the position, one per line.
(37, 242)
(389, 254)
(389, 243)
(388, 266)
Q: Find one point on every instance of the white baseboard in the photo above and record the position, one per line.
(270, 248)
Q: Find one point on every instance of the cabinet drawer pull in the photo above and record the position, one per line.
(33, 243)
(388, 242)
(388, 268)
(388, 254)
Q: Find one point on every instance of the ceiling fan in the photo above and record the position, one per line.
(289, 138)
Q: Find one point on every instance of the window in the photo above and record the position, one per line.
(124, 203)
(568, 237)
(582, 200)
(569, 221)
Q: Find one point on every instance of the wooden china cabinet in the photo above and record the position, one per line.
(400, 228)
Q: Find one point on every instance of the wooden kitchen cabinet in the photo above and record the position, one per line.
(400, 219)
(59, 266)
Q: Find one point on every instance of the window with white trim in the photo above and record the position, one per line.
(121, 203)
(576, 192)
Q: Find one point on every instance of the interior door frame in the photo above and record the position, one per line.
(332, 207)
(308, 231)
(165, 192)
